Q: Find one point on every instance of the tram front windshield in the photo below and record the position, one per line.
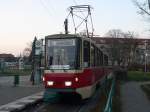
(61, 53)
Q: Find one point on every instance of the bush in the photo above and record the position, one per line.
(138, 67)
(121, 74)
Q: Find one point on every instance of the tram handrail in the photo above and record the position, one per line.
(108, 107)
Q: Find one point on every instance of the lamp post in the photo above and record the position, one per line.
(145, 61)
(145, 56)
(149, 4)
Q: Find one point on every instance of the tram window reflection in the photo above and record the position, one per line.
(86, 54)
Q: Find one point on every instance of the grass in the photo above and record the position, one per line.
(15, 72)
(138, 76)
(146, 89)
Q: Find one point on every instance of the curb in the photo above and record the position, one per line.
(22, 103)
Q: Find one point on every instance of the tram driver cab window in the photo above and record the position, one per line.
(86, 54)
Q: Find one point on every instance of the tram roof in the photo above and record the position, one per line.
(62, 36)
(69, 36)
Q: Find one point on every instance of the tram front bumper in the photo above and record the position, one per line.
(84, 92)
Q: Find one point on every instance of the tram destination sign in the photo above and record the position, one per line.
(61, 42)
(60, 67)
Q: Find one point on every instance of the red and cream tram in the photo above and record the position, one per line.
(74, 64)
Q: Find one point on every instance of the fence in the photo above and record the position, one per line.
(14, 80)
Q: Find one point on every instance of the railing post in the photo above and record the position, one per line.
(16, 80)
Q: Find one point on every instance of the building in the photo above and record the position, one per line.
(7, 57)
(137, 48)
(8, 61)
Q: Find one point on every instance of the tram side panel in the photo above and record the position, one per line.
(83, 83)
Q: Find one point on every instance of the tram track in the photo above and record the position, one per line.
(67, 104)
(56, 107)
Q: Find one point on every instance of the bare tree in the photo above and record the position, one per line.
(26, 53)
(115, 33)
(27, 50)
(144, 7)
(122, 47)
(130, 45)
(114, 45)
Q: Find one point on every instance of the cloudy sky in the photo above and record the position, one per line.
(22, 20)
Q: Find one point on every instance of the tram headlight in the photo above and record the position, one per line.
(50, 83)
(68, 83)
(76, 79)
(43, 78)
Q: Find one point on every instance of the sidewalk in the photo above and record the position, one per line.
(133, 98)
(9, 93)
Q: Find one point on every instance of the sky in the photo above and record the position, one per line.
(22, 20)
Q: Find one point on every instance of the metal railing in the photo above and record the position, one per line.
(108, 107)
(17, 80)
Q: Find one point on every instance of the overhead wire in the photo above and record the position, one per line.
(52, 6)
(45, 7)
(75, 2)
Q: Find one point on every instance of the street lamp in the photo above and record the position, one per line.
(149, 4)
(145, 61)
(145, 55)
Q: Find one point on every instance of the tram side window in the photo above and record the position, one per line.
(92, 56)
(101, 58)
(86, 54)
(105, 60)
(98, 57)
(95, 56)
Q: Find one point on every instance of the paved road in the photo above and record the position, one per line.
(133, 98)
(9, 93)
(6, 80)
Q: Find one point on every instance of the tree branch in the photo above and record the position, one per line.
(141, 8)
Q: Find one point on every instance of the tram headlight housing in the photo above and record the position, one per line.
(68, 83)
(50, 83)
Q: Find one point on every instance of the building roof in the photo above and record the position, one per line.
(6, 55)
(108, 40)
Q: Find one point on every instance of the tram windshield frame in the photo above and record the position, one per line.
(62, 53)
